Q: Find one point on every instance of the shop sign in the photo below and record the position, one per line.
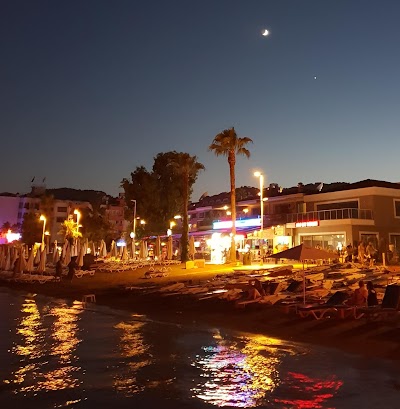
(239, 223)
(312, 223)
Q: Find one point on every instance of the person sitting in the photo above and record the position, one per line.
(254, 290)
(372, 298)
(360, 295)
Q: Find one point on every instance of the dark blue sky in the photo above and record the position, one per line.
(92, 89)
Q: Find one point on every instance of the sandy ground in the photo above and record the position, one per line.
(379, 339)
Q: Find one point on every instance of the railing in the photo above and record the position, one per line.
(334, 214)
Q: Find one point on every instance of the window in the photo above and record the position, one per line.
(60, 219)
(338, 205)
(397, 208)
(62, 209)
(369, 237)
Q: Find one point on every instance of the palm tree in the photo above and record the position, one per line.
(188, 168)
(228, 144)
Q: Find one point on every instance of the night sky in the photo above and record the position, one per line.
(92, 89)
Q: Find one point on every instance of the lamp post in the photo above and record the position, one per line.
(134, 218)
(43, 219)
(261, 176)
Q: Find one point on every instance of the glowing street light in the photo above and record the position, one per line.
(43, 219)
(172, 224)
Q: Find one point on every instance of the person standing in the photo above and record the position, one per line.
(370, 253)
(361, 252)
(72, 268)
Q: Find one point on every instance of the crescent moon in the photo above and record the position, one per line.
(265, 33)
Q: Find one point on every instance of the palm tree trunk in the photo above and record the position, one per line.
(232, 161)
(185, 226)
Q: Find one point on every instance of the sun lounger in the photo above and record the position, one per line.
(319, 311)
(389, 307)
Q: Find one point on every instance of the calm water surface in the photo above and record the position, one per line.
(55, 354)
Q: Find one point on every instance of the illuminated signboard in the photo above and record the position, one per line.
(239, 223)
(313, 223)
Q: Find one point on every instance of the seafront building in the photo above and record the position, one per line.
(13, 208)
(329, 216)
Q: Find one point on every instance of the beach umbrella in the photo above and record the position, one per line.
(79, 260)
(93, 248)
(113, 251)
(55, 252)
(64, 249)
(56, 255)
(303, 253)
(157, 248)
(101, 249)
(169, 248)
(37, 256)
(143, 249)
(13, 258)
(103, 253)
(67, 256)
(21, 263)
(2, 257)
(7, 264)
(124, 255)
(30, 262)
(192, 248)
(42, 264)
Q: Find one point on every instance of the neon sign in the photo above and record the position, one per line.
(313, 223)
(239, 223)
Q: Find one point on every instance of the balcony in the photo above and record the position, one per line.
(334, 214)
(275, 219)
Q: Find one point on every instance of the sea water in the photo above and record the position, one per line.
(57, 354)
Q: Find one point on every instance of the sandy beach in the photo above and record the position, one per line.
(378, 339)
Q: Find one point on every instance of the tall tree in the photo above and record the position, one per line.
(143, 188)
(228, 144)
(31, 229)
(187, 168)
(95, 227)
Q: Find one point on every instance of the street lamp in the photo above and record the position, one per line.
(261, 176)
(172, 224)
(78, 216)
(43, 219)
(134, 218)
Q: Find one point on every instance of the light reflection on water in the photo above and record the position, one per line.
(246, 373)
(66, 356)
(36, 342)
(134, 350)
